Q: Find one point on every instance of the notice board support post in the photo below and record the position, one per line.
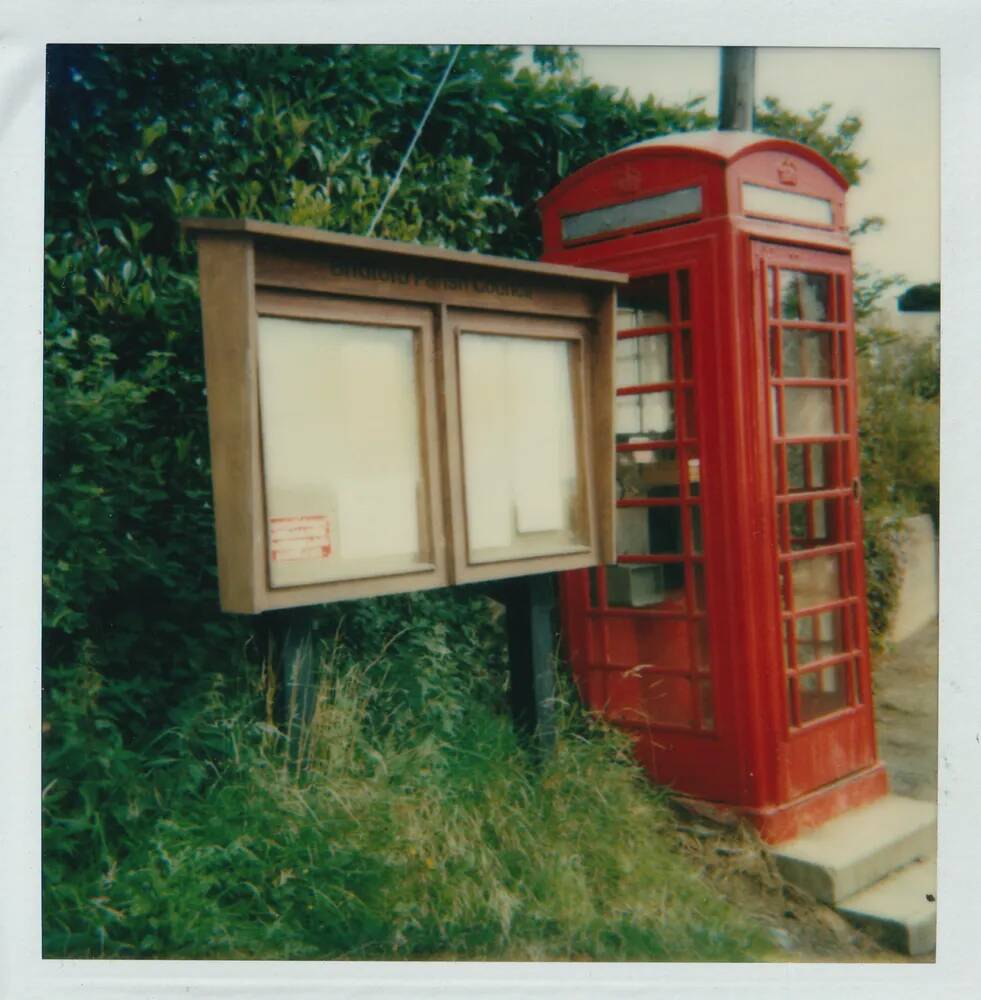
(529, 601)
(290, 648)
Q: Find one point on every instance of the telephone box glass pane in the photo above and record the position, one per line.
(796, 468)
(813, 523)
(809, 466)
(819, 636)
(816, 581)
(646, 474)
(805, 295)
(647, 314)
(807, 354)
(648, 303)
(341, 451)
(636, 586)
(645, 531)
(644, 360)
(646, 416)
(524, 493)
(808, 412)
(822, 692)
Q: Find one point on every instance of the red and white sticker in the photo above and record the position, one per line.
(304, 537)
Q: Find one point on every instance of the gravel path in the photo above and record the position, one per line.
(904, 683)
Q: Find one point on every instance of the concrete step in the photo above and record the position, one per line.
(856, 850)
(900, 910)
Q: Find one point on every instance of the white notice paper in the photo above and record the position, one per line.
(341, 440)
(539, 375)
(519, 446)
(377, 517)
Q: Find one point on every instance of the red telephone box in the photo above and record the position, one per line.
(730, 637)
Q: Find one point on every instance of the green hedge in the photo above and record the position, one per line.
(899, 425)
(139, 136)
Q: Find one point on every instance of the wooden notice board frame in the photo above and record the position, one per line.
(252, 269)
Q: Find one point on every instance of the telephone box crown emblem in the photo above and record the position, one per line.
(628, 181)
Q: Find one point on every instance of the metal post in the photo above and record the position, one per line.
(529, 601)
(736, 88)
(290, 648)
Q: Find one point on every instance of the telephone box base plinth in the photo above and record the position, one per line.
(779, 823)
(776, 824)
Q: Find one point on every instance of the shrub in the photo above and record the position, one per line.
(899, 423)
(920, 298)
(138, 136)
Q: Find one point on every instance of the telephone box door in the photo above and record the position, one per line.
(804, 321)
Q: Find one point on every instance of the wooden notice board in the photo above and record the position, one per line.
(387, 417)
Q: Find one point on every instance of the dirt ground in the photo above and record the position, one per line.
(736, 865)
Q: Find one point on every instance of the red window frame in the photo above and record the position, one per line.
(685, 685)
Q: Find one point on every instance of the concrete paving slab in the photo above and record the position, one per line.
(855, 850)
(901, 910)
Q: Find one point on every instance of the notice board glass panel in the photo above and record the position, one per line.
(523, 485)
(341, 450)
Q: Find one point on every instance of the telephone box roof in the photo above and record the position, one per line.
(724, 146)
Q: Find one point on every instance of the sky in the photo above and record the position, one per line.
(896, 93)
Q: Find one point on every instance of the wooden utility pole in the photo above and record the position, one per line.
(737, 86)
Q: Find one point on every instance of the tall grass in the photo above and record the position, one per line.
(411, 826)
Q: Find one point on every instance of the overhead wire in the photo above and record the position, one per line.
(412, 144)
